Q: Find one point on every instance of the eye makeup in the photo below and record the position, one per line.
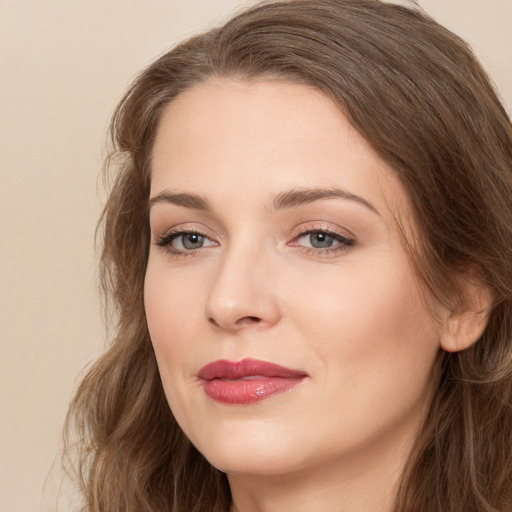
(318, 241)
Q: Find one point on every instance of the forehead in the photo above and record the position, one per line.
(265, 136)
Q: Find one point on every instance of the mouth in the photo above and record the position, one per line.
(247, 381)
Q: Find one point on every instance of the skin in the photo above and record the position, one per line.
(350, 316)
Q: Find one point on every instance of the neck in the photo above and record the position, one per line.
(363, 481)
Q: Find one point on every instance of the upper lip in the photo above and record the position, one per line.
(223, 369)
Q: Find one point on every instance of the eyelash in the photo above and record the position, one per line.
(165, 243)
(345, 243)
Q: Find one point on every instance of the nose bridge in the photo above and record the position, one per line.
(241, 292)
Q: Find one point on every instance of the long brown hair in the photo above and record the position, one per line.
(416, 93)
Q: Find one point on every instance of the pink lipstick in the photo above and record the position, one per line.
(247, 381)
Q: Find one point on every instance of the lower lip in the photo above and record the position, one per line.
(248, 391)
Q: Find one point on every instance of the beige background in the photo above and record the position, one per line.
(63, 66)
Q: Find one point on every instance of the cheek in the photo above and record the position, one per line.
(369, 321)
(171, 306)
(172, 303)
(375, 347)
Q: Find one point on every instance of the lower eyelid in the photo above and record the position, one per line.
(165, 240)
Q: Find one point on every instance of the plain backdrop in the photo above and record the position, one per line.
(64, 64)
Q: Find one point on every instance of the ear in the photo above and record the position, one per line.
(462, 329)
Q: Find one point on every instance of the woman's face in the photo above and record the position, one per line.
(274, 241)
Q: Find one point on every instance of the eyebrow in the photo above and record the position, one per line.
(296, 197)
(283, 200)
(183, 199)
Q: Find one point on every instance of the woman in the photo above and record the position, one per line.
(308, 245)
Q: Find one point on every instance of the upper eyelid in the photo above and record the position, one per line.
(342, 239)
(170, 235)
(178, 230)
(343, 245)
(183, 229)
(322, 226)
(313, 225)
(324, 230)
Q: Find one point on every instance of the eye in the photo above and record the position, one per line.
(182, 242)
(318, 239)
(322, 241)
(188, 241)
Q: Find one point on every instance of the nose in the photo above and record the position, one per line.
(243, 293)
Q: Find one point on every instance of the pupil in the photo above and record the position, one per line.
(321, 240)
(192, 241)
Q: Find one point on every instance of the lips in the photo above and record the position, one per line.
(247, 381)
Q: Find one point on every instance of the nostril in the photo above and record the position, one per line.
(248, 319)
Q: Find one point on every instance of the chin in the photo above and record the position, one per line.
(251, 462)
(251, 449)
